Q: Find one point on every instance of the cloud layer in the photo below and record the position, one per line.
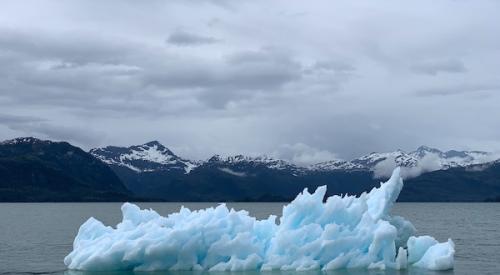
(303, 81)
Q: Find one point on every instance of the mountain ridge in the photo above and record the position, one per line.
(146, 157)
(151, 171)
(246, 178)
(440, 159)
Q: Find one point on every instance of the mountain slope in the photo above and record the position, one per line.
(145, 169)
(234, 178)
(468, 184)
(429, 159)
(38, 170)
(151, 156)
(152, 170)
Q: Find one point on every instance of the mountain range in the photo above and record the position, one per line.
(153, 172)
(153, 156)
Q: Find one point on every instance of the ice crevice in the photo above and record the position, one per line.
(343, 232)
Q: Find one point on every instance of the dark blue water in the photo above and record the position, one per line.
(35, 237)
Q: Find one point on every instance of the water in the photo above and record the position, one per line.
(35, 237)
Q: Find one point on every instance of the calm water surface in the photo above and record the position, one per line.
(35, 237)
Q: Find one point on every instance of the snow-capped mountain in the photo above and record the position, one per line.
(240, 164)
(432, 158)
(335, 165)
(153, 156)
(152, 171)
(148, 157)
(25, 140)
(368, 162)
(269, 162)
(399, 157)
(444, 160)
(453, 158)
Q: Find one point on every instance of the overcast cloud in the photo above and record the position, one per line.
(306, 81)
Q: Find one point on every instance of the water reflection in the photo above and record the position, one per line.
(411, 271)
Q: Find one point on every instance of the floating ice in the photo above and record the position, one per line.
(343, 232)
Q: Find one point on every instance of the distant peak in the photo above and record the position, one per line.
(427, 149)
(154, 143)
(215, 158)
(24, 140)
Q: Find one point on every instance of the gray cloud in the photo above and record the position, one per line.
(182, 38)
(438, 66)
(243, 71)
(303, 154)
(335, 66)
(14, 119)
(337, 80)
(92, 81)
(81, 48)
(457, 89)
(238, 76)
(34, 126)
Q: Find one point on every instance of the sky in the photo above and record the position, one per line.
(306, 81)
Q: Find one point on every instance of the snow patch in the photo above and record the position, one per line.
(149, 157)
(150, 153)
(189, 166)
(335, 165)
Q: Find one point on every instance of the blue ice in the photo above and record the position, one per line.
(343, 232)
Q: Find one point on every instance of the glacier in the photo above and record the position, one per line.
(312, 234)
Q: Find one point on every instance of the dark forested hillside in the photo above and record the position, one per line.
(467, 184)
(37, 170)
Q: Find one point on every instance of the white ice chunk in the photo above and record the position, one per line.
(343, 232)
(417, 246)
(438, 257)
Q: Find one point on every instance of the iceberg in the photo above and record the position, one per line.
(312, 234)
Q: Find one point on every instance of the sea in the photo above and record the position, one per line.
(35, 237)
